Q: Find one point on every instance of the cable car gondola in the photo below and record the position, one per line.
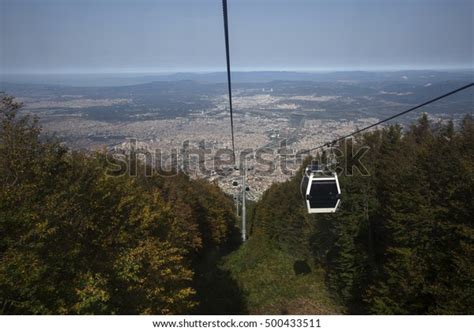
(320, 189)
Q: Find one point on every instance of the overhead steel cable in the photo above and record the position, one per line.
(333, 142)
(229, 83)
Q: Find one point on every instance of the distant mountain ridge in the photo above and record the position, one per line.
(96, 80)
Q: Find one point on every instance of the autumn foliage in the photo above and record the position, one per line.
(76, 241)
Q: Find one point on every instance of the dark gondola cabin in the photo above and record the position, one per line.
(321, 191)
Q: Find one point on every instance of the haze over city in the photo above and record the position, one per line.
(104, 36)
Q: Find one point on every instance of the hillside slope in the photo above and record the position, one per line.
(75, 238)
(274, 282)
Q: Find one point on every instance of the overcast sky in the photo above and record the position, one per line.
(63, 36)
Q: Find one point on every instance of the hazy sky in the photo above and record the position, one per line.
(187, 35)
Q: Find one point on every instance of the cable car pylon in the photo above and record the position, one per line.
(244, 209)
(241, 197)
